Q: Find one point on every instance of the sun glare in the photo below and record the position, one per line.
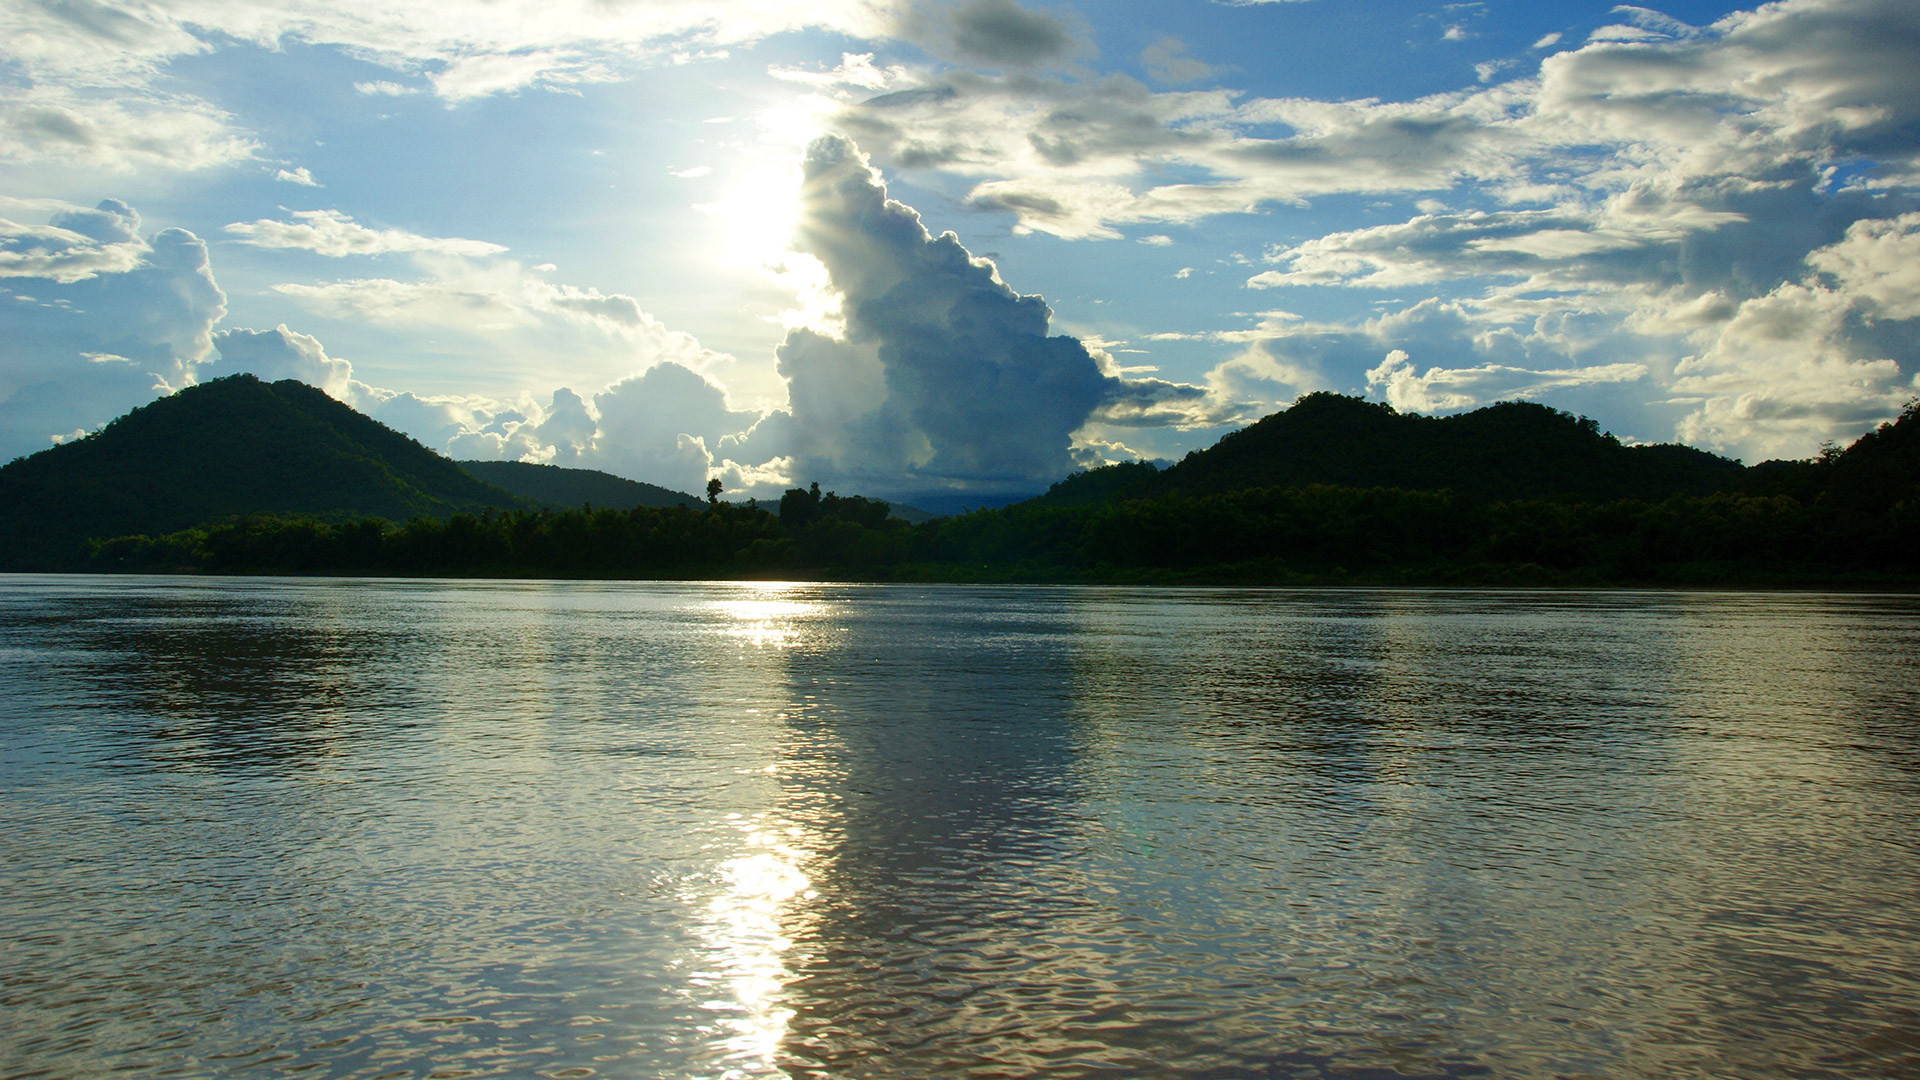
(756, 217)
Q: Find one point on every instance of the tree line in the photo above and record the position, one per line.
(1266, 535)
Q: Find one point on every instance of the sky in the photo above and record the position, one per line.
(918, 249)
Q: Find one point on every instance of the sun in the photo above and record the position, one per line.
(757, 214)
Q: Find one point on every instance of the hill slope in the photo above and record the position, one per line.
(569, 489)
(224, 448)
(1511, 450)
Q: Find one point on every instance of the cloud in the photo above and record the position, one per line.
(1794, 86)
(1448, 389)
(118, 132)
(944, 378)
(1786, 371)
(98, 320)
(1074, 158)
(91, 83)
(664, 425)
(1472, 354)
(1002, 32)
(855, 71)
(466, 47)
(490, 297)
(1166, 62)
(507, 327)
(297, 176)
(462, 78)
(281, 353)
(329, 232)
(1878, 262)
(76, 245)
(1659, 196)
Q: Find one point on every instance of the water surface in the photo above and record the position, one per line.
(438, 829)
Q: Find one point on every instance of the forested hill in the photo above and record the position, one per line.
(1513, 450)
(569, 489)
(229, 447)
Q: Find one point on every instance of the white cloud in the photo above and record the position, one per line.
(281, 353)
(329, 232)
(1787, 371)
(1878, 261)
(466, 47)
(115, 319)
(856, 71)
(77, 245)
(92, 87)
(297, 176)
(508, 324)
(1449, 389)
(945, 378)
(117, 132)
(663, 425)
(1760, 95)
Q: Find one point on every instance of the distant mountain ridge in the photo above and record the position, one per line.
(569, 489)
(1511, 450)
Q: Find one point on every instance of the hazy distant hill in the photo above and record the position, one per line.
(228, 447)
(1512, 450)
(569, 489)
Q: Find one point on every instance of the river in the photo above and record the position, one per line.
(366, 828)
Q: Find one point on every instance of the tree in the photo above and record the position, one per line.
(714, 488)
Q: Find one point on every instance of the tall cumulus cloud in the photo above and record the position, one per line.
(942, 376)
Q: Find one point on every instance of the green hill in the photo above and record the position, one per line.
(569, 489)
(1513, 450)
(230, 447)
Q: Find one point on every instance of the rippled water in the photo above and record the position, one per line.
(438, 829)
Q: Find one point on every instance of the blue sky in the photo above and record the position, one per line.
(681, 240)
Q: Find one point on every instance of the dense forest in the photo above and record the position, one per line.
(1550, 501)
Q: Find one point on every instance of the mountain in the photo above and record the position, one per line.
(1511, 450)
(569, 489)
(224, 448)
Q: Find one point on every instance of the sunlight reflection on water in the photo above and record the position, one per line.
(427, 828)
